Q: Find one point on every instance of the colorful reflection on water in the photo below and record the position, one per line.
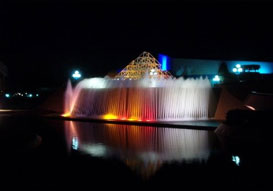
(144, 149)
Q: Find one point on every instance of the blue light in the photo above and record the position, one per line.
(164, 61)
(29, 95)
(7, 95)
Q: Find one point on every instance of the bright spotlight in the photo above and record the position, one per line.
(240, 69)
(7, 95)
(234, 69)
(76, 75)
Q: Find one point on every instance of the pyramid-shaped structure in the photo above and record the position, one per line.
(144, 65)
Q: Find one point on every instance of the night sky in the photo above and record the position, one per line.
(42, 42)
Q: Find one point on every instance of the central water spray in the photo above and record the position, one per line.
(146, 95)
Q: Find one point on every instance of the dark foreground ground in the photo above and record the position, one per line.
(34, 157)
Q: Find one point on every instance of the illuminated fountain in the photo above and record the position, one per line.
(140, 92)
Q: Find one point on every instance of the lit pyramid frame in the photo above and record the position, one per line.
(145, 65)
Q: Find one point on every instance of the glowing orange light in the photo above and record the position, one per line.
(66, 114)
(124, 118)
(110, 116)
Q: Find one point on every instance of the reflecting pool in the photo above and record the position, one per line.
(143, 148)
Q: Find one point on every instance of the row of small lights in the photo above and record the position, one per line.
(7, 95)
(76, 75)
(152, 73)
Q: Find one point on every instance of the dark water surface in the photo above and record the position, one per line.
(44, 154)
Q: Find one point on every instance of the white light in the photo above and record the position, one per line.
(216, 78)
(234, 69)
(7, 95)
(240, 69)
(76, 75)
(153, 72)
(236, 159)
(75, 143)
(238, 65)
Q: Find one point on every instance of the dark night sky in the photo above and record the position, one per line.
(42, 42)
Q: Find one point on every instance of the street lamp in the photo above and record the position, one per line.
(76, 75)
(237, 69)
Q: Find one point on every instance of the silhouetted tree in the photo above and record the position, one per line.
(223, 70)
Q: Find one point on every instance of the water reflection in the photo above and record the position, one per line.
(142, 148)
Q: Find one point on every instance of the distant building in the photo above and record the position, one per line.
(210, 68)
(3, 76)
